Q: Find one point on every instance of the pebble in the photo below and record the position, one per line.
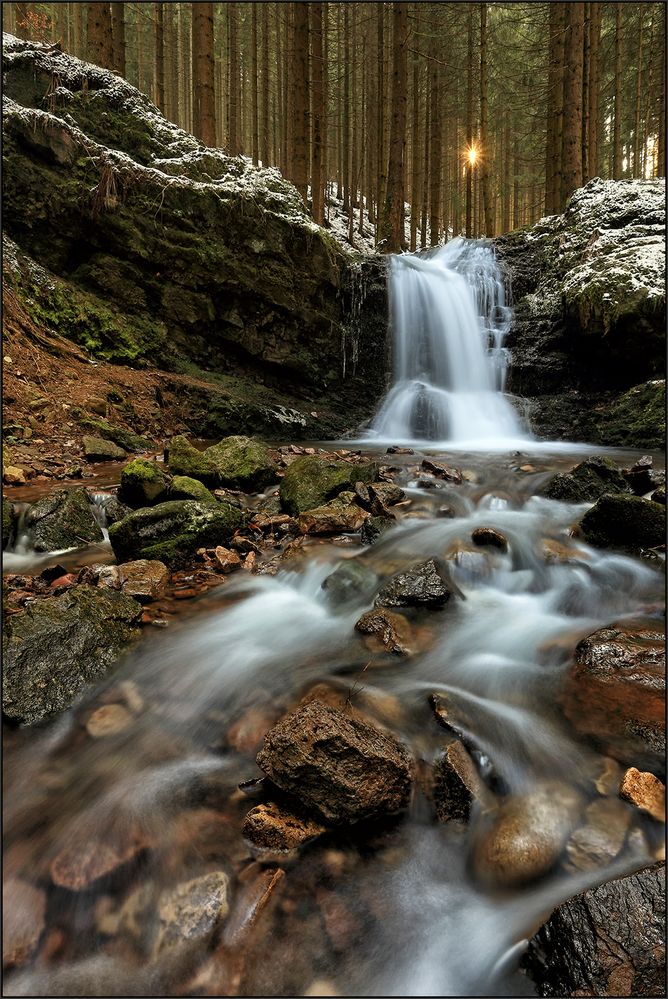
(645, 791)
(24, 907)
(192, 910)
(227, 560)
(110, 719)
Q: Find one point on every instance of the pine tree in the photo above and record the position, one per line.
(204, 113)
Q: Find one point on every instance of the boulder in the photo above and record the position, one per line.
(526, 836)
(607, 941)
(172, 532)
(644, 791)
(338, 767)
(98, 449)
(239, 462)
(373, 528)
(422, 585)
(7, 521)
(601, 837)
(352, 581)
(629, 523)
(615, 692)
(125, 439)
(54, 649)
(84, 859)
(143, 579)
(340, 515)
(275, 833)
(390, 630)
(63, 519)
(192, 911)
(487, 536)
(642, 478)
(456, 784)
(143, 483)
(312, 480)
(114, 510)
(184, 487)
(586, 482)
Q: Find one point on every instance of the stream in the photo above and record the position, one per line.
(400, 908)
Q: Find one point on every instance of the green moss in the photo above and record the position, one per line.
(7, 521)
(124, 438)
(637, 418)
(184, 487)
(142, 483)
(236, 461)
(586, 482)
(311, 480)
(629, 523)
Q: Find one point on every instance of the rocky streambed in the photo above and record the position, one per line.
(318, 720)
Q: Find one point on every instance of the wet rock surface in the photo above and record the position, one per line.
(63, 519)
(421, 586)
(24, 908)
(274, 831)
(192, 911)
(628, 523)
(340, 515)
(142, 483)
(391, 630)
(644, 791)
(608, 941)
(586, 482)
(456, 784)
(342, 769)
(235, 461)
(53, 649)
(311, 481)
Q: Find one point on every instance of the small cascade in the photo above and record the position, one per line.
(20, 554)
(449, 319)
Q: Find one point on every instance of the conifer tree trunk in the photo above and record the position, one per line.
(617, 125)
(381, 159)
(505, 210)
(586, 55)
(100, 42)
(435, 143)
(345, 114)
(204, 105)
(21, 16)
(264, 129)
(425, 174)
(160, 55)
(300, 78)
(637, 128)
(572, 134)
(661, 160)
(233, 135)
(484, 144)
(469, 125)
(317, 138)
(118, 36)
(255, 124)
(172, 78)
(415, 137)
(593, 89)
(393, 228)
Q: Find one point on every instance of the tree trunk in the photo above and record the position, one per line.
(469, 125)
(424, 215)
(661, 160)
(300, 78)
(118, 36)
(555, 109)
(345, 116)
(255, 118)
(637, 129)
(593, 89)
(617, 126)
(204, 106)
(435, 142)
(484, 145)
(586, 55)
(572, 137)
(415, 136)
(100, 42)
(264, 75)
(381, 159)
(317, 143)
(22, 22)
(505, 210)
(160, 55)
(393, 232)
(233, 137)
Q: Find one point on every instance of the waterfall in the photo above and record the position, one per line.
(449, 320)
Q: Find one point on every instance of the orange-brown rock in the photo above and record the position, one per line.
(388, 630)
(273, 831)
(645, 791)
(23, 908)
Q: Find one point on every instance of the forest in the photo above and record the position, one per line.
(334, 499)
(479, 118)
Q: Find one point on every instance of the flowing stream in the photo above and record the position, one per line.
(398, 910)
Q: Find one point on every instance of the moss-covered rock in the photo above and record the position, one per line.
(63, 519)
(172, 532)
(637, 418)
(124, 438)
(236, 461)
(97, 449)
(142, 483)
(7, 521)
(629, 523)
(185, 488)
(54, 649)
(586, 482)
(310, 481)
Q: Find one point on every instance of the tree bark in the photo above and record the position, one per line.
(118, 36)
(204, 107)
(159, 55)
(469, 125)
(586, 55)
(255, 122)
(661, 159)
(317, 137)
(381, 159)
(415, 135)
(637, 129)
(393, 232)
(100, 43)
(233, 136)
(572, 137)
(435, 142)
(264, 74)
(300, 100)
(485, 156)
(593, 89)
(617, 125)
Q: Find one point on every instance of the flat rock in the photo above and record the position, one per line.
(53, 649)
(420, 586)
(193, 910)
(391, 630)
(338, 767)
(23, 909)
(442, 471)
(341, 514)
(608, 941)
(645, 791)
(97, 449)
(63, 519)
(143, 579)
(310, 481)
(274, 832)
(226, 560)
(84, 861)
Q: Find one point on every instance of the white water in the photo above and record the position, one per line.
(449, 320)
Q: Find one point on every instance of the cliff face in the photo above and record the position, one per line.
(588, 339)
(163, 251)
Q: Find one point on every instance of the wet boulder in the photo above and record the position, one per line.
(374, 527)
(526, 836)
(98, 449)
(340, 515)
(338, 767)
(388, 630)
(275, 833)
(352, 581)
(143, 483)
(456, 784)
(586, 482)
(184, 487)
(607, 941)
(24, 908)
(489, 537)
(172, 532)
(642, 478)
(615, 693)
(238, 462)
(311, 481)
(63, 519)
(423, 585)
(628, 523)
(54, 649)
(7, 521)
(601, 836)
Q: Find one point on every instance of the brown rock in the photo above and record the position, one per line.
(340, 514)
(456, 784)
(82, 862)
(274, 832)
(248, 731)
(227, 560)
(339, 767)
(554, 551)
(644, 791)
(143, 579)
(193, 910)
(23, 908)
(442, 471)
(108, 720)
(392, 631)
(527, 835)
(602, 836)
(488, 536)
(615, 691)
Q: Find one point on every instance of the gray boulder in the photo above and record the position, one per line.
(63, 519)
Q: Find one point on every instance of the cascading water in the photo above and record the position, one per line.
(449, 319)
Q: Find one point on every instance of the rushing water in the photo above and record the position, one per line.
(400, 910)
(449, 319)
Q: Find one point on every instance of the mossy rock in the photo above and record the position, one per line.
(54, 649)
(97, 449)
(637, 418)
(310, 481)
(124, 438)
(63, 519)
(142, 483)
(629, 523)
(173, 531)
(586, 482)
(236, 461)
(183, 487)
(7, 521)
